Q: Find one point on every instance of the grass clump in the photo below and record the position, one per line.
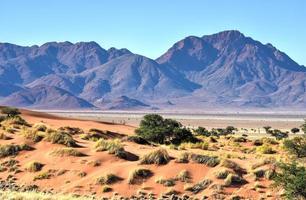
(108, 179)
(112, 146)
(139, 175)
(40, 127)
(233, 179)
(231, 165)
(42, 175)
(14, 120)
(4, 137)
(265, 149)
(158, 157)
(106, 189)
(33, 135)
(67, 152)
(34, 166)
(210, 161)
(64, 138)
(183, 158)
(198, 145)
(198, 187)
(183, 176)
(12, 150)
(222, 174)
(165, 182)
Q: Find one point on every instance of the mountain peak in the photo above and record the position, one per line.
(227, 35)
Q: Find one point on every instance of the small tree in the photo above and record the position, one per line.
(291, 178)
(155, 128)
(10, 112)
(295, 130)
(202, 131)
(296, 146)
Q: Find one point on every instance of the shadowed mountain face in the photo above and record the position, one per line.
(223, 69)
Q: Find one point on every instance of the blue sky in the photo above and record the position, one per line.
(151, 27)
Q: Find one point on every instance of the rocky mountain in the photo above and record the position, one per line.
(226, 69)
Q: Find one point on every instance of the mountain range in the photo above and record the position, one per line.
(223, 70)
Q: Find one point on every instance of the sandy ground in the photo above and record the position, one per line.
(71, 182)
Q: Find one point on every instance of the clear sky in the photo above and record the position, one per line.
(151, 27)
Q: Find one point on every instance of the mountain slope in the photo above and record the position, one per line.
(43, 96)
(243, 71)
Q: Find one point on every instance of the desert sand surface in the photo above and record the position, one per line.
(78, 175)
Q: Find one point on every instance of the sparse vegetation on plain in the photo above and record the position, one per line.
(34, 166)
(108, 179)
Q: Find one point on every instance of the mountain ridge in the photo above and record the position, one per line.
(218, 70)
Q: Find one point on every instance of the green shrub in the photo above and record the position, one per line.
(138, 175)
(108, 179)
(291, 178)
(159, 157)
(34, 166)
(210, 161)
(296, 146)
(61, 138)
(10, 111)
(67, 152)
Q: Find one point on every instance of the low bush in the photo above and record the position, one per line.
(67, 152)
(210, 161)
(263, 162)
(198, 187)
(296, 146)
(12, 150)
(34, 166)
(108, 179)
(259, 173)
(265, 149)
(139, 175)
(197, 145)
(61, 138)
(158, 157)
(16, 120)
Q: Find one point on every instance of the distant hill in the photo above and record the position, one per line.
(226, 69)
